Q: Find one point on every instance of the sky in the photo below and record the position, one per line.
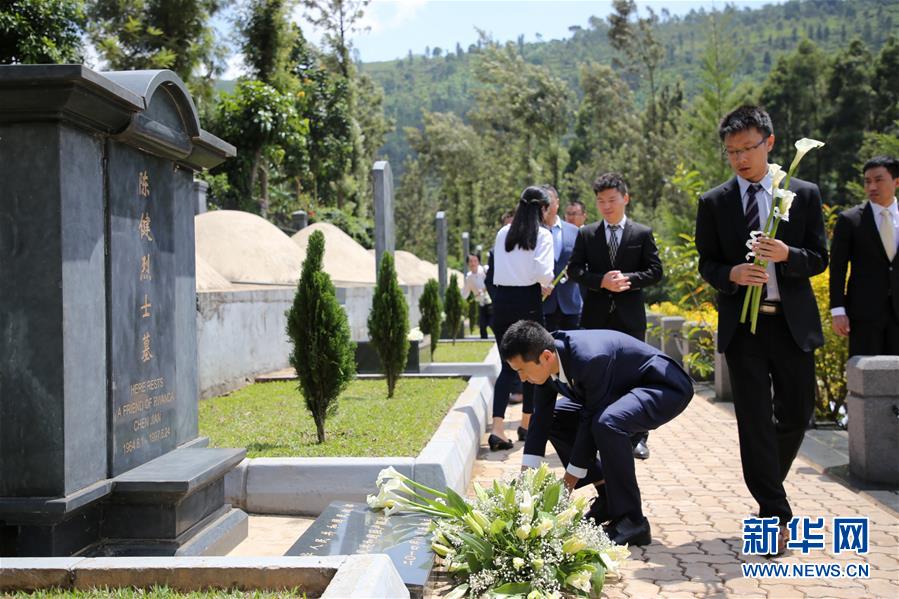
(394, 27)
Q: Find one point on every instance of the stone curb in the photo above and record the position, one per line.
(305, 486)
(331, 576)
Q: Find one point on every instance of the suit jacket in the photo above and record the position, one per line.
(721, 234)
(601, 366)
(566, 296)
(874, 281)
(637, 258)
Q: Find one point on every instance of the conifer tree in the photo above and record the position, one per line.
(323, 353)
(388, 323)
(429, 305)
(453, 303)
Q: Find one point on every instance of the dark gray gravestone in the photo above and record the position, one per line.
(346, 528)
(441, 251)
(98, 364)
(385, 235)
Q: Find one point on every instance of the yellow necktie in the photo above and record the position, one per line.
(887, 233)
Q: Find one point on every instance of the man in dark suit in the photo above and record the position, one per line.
(781, 352)
(613, 260)
(618, 386)
(867, 236)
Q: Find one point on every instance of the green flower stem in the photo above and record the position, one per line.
(557, 279)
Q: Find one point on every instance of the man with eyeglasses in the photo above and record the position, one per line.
(779, 356)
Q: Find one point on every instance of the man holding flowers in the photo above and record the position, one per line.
(768, 324)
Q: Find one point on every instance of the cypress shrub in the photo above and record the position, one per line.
(472, 311)
(388, 323)
(429, 305)
(453, 304)
(323, 353)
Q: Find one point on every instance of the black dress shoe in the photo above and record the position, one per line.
(522, 433)
(641, 450)
(496, 443)
(627, 531)
(599, 510)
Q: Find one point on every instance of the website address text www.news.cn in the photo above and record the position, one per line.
(821, 570)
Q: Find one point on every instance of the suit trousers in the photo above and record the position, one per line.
(656, 401)
(614, 322)
(510, 305)
(484, 313)
(874, 337)
(559, 321)
(773, 382)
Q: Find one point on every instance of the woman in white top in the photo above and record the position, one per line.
(521, 273)
(474, 285)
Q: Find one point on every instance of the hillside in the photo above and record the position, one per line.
(758, 37)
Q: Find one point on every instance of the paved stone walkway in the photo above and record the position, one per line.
(695, 499)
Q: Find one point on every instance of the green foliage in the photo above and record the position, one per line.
(41, 31)
(470, 351)
(270, 133)
(471, 307)
(830, 360)
(267, 37)
(431, 309)
(267, 419)
(388, 322)
(153, 34)
(453, 307)
(361, 230)
(323, 353)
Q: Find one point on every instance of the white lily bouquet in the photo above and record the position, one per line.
(522, 538)
(782, 201)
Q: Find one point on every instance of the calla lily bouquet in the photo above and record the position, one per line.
(783, 200)
(523, 538)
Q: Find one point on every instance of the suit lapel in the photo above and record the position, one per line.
(625, 238)
(602, 246)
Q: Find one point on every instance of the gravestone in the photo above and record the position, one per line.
(466, 248)
(201, 189)
(98, 352)
(441, 252)
(873, 410)
(673, 337)
(385, 236)
(299, 219)
(347, 528)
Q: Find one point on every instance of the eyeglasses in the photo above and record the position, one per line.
(738, 153)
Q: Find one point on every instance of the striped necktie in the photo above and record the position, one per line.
(613, 242)
(752, 207)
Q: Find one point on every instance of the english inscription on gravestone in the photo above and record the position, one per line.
(141, 303)
(346, 528)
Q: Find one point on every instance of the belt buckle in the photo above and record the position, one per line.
(768, 309)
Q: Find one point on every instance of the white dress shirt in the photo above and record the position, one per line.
(475, 284)
(763, 199)
(523, 268)
(879, 215)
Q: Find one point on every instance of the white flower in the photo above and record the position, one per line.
(573, 545)
(537, 564)
(415, 335)
(523, 531)
(544, 527)
(580, 580)
(803, 147)
(527, 506)
(565, 518)
(389, 474)
(580, 503)
(786, 201)
(388, 497)
(777, 174)
(517, 563)
(441, 550)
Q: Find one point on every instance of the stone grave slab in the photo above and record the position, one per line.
(347, 528)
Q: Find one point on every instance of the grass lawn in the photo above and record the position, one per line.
(154, 593)
(271, 420)
(474, 351)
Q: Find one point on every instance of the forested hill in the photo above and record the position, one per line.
(443, 81)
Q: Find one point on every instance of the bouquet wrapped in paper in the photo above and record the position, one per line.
(526, 537)
(780, 211)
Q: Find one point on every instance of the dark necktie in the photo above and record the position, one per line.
(613, 242)
(563, 388)
(752, 207)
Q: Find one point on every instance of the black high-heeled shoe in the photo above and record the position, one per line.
(497, 443)
(522, 433)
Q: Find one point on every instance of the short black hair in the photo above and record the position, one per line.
(610, 181)
(579, 204)
(888, 162)
(473, 255)
(743, 118)
(526, 339)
